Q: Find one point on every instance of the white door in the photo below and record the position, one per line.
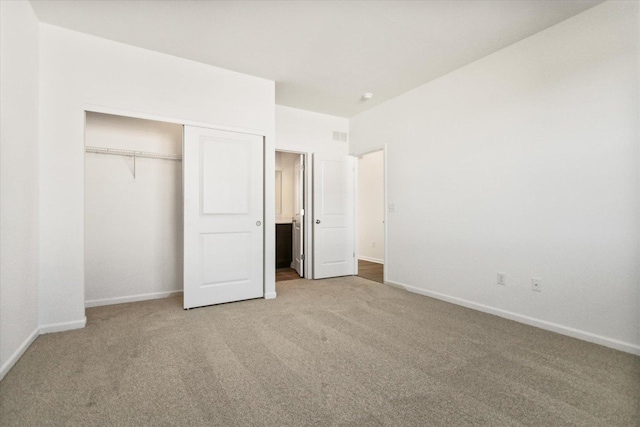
(223, 216)
(298, 215)
(333, 216)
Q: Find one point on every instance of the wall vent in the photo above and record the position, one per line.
(340, 136)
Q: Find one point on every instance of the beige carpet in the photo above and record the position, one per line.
(333, 352)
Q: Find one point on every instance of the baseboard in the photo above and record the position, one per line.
(63, 326)
(531, 321)
(131, 298)
(270, 295)
(42, 329)
(6, 367)
(366, 258)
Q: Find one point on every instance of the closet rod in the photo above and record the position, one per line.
(131, 153)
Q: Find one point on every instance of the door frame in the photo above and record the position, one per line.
(385, 215)
(308, 206)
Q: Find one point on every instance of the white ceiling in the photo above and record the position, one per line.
(322, 54)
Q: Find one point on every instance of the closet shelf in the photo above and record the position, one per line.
(131, 153)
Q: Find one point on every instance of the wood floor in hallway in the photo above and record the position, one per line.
(371, 270)
(286, 274)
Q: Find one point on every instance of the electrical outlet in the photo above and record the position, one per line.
(392, 207)
(502, 279)
(536, 285)
(373, 244)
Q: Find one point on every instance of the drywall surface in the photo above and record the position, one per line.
(81, 72)
(301, 130)
(525, 162)
(133, 226)
(18, 181)
(285, 163)
(370, 244)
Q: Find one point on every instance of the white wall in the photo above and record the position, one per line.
(133, 227)
(370, 244)
(302, 130)
(80, 72)
(524, 162)
(18, 181)
(285, 162)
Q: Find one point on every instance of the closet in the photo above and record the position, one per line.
(133, 209)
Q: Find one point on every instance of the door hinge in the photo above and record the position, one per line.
(302, 257)
(302, 212)
(354, 254)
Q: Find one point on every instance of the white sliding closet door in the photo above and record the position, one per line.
(223, 217)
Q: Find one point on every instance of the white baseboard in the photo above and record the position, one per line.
(270, 295)
(131, 298)
(63, 326)
(366, 258)
(531, 321)
(6, 367)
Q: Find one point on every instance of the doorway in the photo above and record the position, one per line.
(371, 216)
(290, 215)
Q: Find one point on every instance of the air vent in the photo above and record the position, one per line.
(340, 136)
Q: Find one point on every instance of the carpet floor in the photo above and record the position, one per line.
(336, 352)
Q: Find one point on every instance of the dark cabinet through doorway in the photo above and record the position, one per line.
(284, 243)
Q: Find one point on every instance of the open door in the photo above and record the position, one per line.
(333, 216)
(298, 215)
(223, 216)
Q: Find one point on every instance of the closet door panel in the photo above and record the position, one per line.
(223, 217)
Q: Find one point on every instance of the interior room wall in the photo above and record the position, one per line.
(300, 130)
(80, 72)
(18, 181)
(133, 226)
(285, 164)
(370, 244)
(524, 162)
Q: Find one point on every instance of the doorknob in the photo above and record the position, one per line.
(258, 223)
(317, 221)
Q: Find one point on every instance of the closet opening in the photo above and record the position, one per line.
(291, 214)
(133, 209)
